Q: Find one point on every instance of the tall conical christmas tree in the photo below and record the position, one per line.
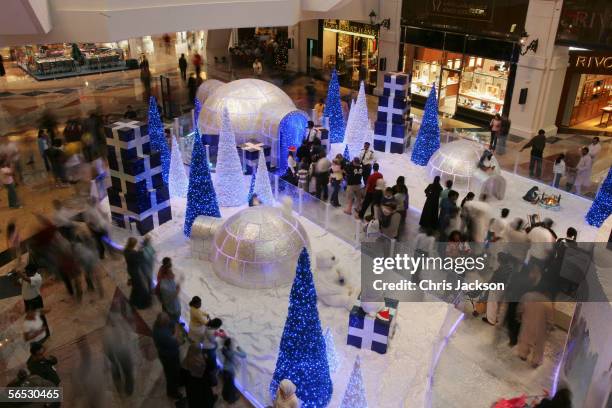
(602, 205)
(263, 189)
(350, 123)
(330, 348)
(358, 130)
(333, 110)
(251, 187)
(301, 356)
(428, 138)
(229, 178)
(201, 197)
(157, 138)
(354, 396)
(177, 180)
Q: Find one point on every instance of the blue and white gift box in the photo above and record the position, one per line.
(389, 137)
(249, 155)
(371, 333)
(391, 109)
(137, 194)
(395, 84)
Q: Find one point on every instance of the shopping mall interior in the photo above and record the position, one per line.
(322, 203)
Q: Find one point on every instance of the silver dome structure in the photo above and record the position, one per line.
(458, 161)
(258, 247)
(256, 110)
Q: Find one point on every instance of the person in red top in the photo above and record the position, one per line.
(197, 63)
(370, 190)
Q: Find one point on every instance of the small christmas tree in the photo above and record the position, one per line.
(354, 396)
(333, 110)
(263, 189)
(359, 129)
(346, 155)
(428, 138)
(251, 187)
(201, 197)
(177, 180)
(602, 205)
(330, 348)
(157, 138)
(229, 179)
(302, 357)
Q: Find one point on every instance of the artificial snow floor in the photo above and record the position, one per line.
(255, 318)
(400, 378)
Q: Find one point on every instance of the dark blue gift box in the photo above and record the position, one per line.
(145, 225)
(400, 78)
(396, 103)
(397, 131)
(373, 333)
(250, 152)
(125, 131)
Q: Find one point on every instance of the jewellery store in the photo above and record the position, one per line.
(586, 99)
(352, 49)
(473, 75)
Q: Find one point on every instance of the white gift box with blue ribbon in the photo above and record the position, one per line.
(371, 333)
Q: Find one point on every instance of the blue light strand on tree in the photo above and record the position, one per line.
(302, 356)
(354, 396)
(428, 138)
(333, 110)
(201, 197)
(251, 187)
(157, 138)
(602, 205)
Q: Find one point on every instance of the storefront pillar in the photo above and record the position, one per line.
(293, 63)
(542, 73)
(388, 41)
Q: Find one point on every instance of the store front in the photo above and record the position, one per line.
(586, 99)
(352, 49)
(474, 76)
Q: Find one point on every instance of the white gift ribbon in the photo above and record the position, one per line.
(367, 334)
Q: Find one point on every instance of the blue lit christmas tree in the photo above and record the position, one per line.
(251, 187)
(428, 138)
(602, 205)
(354, 396)
(333, 110)
(346, 155)
(157, 138)
(201, 197)
(302, 354)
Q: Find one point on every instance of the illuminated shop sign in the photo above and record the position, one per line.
(591, 63)
(350, 27)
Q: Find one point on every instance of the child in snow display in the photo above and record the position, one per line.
(331, 283)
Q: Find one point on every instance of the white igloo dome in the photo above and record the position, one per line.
(458, 161)
(258, 247)
(247, 101)
(207, 88)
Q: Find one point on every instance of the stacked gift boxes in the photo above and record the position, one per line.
(369, 332)
(138, 195)
(390, 127)
(249, 155)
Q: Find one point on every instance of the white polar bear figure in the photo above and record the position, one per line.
(331, 282)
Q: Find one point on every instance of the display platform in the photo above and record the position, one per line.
(255, 319)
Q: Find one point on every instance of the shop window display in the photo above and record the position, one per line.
(483, 85)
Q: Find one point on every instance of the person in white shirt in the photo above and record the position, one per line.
(558, 170)
(367, 158)
(33, 327)
(594, 148)
(584, 168)
(257, 68)
(31, 282)
(311, 132)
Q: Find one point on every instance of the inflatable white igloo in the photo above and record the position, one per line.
(258, 247)
(258, 110)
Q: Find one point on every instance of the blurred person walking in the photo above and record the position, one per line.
(231, 355)
(6, 172)
(168, 290)
(167, 346)
(182, 63)
(42, 365)
(43, 148)
(119, 351)
(31, 282)
(140, 296)
(193, 377)
(537, 144)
